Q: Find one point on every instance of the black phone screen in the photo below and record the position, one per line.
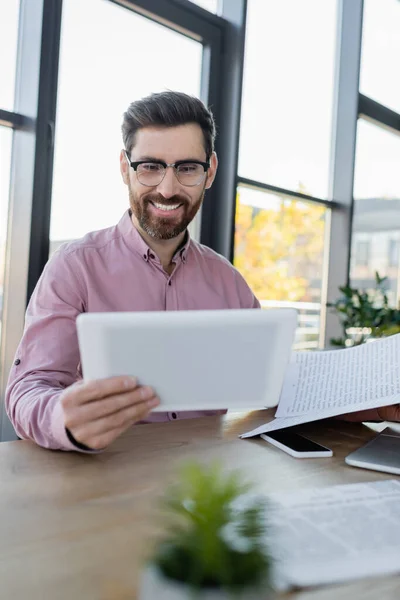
(295, 441)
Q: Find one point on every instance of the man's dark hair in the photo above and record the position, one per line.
(168, 109)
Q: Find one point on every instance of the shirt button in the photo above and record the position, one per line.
(169, 282)
(152, 256)
(145, 256)
(17, 362)
(174, 415)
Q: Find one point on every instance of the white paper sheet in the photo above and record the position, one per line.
(319, 385)
(366, 375)
(337, 533)
(276, 424)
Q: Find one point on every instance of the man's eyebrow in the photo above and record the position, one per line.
(153, 159)
(149, 159)
(191, 160)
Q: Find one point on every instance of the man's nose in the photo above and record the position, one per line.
(169, 185)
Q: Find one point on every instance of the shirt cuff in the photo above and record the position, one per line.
(76, 443)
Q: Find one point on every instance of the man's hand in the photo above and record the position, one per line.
(385, 413)
(97, 412)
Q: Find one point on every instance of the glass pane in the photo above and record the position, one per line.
(380, 59)
(279, 247)
(97, 83)
(376, 220)
(5, 162)
(287, 96)
(9, 12)
(211, 5)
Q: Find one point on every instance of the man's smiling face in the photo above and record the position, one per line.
(165, 210)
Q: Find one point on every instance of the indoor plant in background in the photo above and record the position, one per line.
(215, 542)
(365, 315)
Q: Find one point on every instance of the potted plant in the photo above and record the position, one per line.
(215, 545)
(365, 315)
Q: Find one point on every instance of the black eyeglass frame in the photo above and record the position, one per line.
(134, 164)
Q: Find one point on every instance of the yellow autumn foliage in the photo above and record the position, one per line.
(279, 250)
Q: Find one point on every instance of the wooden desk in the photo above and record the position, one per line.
(76, 526)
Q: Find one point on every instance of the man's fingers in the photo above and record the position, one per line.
(93, 430)
(389, 413)
(98, 389)
(101, 441)
(384, 413)
(97, 411)
(370, 414)
(91, 411)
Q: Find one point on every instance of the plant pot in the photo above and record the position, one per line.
(358, 335)
(154, 585)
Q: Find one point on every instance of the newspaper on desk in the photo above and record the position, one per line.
(319, 385)
(335, 534)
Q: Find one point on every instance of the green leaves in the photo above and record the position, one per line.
(364, 314)
(216, 531)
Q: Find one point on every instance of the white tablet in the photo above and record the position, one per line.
(193, 359)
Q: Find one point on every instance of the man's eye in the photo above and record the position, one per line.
(188, 168)
(152, 167)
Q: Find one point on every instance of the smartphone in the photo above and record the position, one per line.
(296, 445)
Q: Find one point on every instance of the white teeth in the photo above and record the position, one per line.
(166, 206)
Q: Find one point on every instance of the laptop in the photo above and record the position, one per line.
(195, 360)
(382, 453)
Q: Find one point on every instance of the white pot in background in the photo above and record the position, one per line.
(155, 586)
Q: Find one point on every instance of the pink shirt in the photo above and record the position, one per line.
(108, 270)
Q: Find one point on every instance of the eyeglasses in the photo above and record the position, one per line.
(151, 174)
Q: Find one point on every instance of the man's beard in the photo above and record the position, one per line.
(163, 228)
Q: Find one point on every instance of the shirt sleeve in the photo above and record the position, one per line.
(47, 358)
(247, 298)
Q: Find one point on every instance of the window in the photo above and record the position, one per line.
(376, 218)
(279, 247)
(211, 5)
(5, 161)
(285, 142)
(362, 253)
(377, 172)
(287, 94)
(97, 82)
(380, 62)
(9, 12)
(393, 253)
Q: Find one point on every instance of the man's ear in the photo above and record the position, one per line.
(124, 167)
(212, 171)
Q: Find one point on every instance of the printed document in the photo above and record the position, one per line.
(324, 384)
(333, 534)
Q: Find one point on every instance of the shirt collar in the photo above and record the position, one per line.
(183, 248)
(135, 242)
